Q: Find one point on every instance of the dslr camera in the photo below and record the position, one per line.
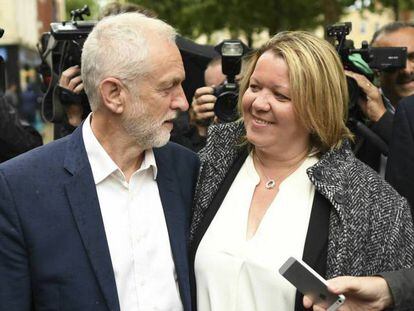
(60, 49)
(227, 93)
(364, 61)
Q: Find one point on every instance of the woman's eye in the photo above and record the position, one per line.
(254, 87)
(281, 97)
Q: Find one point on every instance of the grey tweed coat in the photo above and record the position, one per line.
(370, 224)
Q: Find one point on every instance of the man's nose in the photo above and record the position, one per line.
(409, 66)
(180, 101)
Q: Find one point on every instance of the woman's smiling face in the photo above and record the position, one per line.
(268, 113)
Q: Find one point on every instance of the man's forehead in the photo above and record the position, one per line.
(399, 38)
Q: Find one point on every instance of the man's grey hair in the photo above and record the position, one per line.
(119, 47)
(390, 28)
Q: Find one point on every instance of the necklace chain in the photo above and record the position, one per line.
(271, 182)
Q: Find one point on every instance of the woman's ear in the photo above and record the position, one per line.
(113, 94)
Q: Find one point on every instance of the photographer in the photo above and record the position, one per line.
(378, 104)
(399, 83)
(395, 85)
(202, 106)
(16, 137)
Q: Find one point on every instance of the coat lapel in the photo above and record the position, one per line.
(176, 218)
(83, 199)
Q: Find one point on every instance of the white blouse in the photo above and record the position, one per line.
(233, 273)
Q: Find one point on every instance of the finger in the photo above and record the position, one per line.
(206, 99)
(307, 303)
(78, 88)
(368, 88)
(205, 115)
(203, 90)
(74, 82)
(204, 108)
(67, 75)
(344, 284)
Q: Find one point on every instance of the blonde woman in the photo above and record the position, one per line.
(282, 181)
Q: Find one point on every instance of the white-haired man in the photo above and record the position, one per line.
(98, 220)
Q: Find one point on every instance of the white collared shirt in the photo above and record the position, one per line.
(135, 229)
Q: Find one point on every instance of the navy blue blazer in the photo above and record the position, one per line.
(400, 164)
(53, 250)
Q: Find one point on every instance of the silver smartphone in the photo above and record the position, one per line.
(310, 283)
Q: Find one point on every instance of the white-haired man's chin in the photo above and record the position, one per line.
(154, 141)
(161, 139)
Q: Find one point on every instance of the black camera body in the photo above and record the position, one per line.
(60, 49)
(377, 58)
(225, 107)
(227, 93)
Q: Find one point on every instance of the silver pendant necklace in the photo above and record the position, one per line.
(270, 183)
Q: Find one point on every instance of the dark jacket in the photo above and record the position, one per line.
(53, 250)
(370, 226)
(400, 165)
(15, 137)
(366, 150)
(401, 284)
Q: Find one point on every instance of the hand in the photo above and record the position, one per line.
(71, 80)
(369, 293)
(373, 107)
(203, 104)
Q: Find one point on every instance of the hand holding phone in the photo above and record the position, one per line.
(310, 283)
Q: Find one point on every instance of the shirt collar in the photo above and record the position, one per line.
(101, 163)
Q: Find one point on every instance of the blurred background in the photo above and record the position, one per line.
(202, 21)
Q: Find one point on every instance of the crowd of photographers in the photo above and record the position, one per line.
(382, 119)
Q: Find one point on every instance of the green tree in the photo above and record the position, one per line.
(195, 17)
(396, 5)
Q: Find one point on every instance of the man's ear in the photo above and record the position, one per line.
(113, 94)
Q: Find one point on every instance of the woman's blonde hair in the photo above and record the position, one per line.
(318, 86)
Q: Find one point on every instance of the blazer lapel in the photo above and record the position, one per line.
(176, 217)
(83, 199)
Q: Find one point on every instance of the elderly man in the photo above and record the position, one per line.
(98, 220)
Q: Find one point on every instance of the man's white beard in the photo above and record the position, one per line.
(141, 126)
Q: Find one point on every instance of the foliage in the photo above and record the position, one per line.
(195, 17)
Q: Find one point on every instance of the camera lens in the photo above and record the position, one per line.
(225, 107)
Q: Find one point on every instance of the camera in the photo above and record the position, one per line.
(60, 49)
(364, 61)
(377, 58)
(227, 93)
